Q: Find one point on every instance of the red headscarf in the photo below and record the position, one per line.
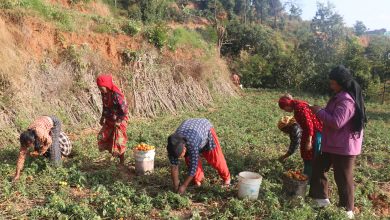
(106, 81)
(284, 102)
(287, 102)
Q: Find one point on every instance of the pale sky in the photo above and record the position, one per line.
(375, 14)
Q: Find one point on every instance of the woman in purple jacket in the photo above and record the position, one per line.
(343, 119)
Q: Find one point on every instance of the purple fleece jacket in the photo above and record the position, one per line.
(337, 135)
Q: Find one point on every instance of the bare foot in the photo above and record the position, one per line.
(122, 159)
(121, 166)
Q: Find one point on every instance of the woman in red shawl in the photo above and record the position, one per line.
(112, 137)
(311, 129)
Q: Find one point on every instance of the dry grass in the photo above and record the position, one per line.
(155, 89)
(174, 85)
(10, 78)
(46, 71)
(92, 7)
(68, 90)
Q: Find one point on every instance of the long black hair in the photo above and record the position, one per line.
(344, 78)
(175, 145)
(26, 137)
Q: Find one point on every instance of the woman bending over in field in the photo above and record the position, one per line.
(289, 126)
(112, 137)
(195, 138)
(47, 139)
(311, 129)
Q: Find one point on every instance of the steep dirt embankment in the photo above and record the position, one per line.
(46, 71)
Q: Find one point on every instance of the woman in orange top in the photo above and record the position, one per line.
(44, 134)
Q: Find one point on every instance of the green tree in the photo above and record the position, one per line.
(252, 38)
(228, 5)
(275, 9)
(294, 10)
(354, 59)
(287, 72)
(153, 10)
(261, 9)
(327, 24)
(254, 69)
(325, 45)
(377, 52)
(359, 28)
(241, 8)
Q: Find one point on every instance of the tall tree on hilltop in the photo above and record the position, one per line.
(378, 52)
(261, 7)
(325, 44)
(327, 24)
(359, 28)
(241, 8)
(228, 5)
(275, 10)
(294, 10)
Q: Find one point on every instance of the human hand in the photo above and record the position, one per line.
(16, 178)
(182, 189)
(283, 158)
(315, 108)
(101, 121)
(308, 146)
(34, 154)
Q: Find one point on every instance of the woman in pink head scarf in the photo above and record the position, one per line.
(112, 137)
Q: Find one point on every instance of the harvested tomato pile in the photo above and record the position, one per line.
(297, 175)
(144, 147)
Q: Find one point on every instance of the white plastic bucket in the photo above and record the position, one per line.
(144, 155)
(144, 161)
(249, 185)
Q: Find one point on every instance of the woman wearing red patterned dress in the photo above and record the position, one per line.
(112, 137)
(311, 129)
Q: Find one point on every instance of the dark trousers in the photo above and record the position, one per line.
(55, 150)
(343, 174)
(308, 168)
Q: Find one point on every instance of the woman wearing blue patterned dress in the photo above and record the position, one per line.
(193, 138)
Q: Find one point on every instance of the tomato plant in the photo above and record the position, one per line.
(96, 189)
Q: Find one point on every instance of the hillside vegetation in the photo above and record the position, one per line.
(53, 51)
(179, 43)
